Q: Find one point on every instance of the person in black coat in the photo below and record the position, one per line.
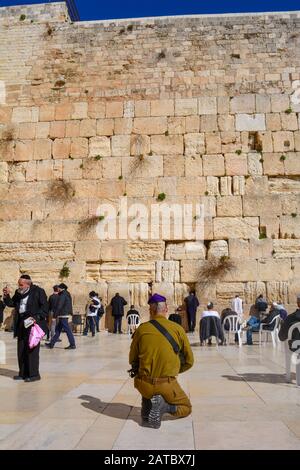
(192, 303)
(53, 301)
(64, 309)
(286, 325)
(2, 307)
(117, 305)
(29, 302)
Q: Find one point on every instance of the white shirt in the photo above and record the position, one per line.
(210, 313)
(23, 304)
(237, 306)
(94, 313)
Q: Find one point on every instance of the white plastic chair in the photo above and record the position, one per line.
(133, 321)
(234, 327)
(289, 355)
(273, 332)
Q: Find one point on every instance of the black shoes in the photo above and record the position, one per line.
(18, 377)
(158, 408)
(33, 379)
(49, 345)
(71, 347)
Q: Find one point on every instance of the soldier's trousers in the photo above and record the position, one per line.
(170, 391)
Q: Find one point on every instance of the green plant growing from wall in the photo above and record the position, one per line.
(97, 157)
(161, 197)
(288, 111)
(238, 152)
(282, 158)
(65, 271)
(22, 17)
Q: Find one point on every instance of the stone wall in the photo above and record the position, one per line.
(201, 108)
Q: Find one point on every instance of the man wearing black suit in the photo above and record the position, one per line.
(30, 304)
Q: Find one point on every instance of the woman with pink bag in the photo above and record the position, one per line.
(31, 306)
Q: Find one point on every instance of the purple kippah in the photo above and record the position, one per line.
(155, 298)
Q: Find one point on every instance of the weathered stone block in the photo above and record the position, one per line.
(250, 122)
(192, 124)
(79, 147)
(279, 103)
(263, 104)
(217, 249)
(123, 125)
(174, 165)
(96, 110)
(236, 164)
(286, 249)
(226, 123)
(105, 127)
(146, 167)
(61, 148)
(167, 145)
(229, 227)
(57, 129)
(274, 270)
(193, 166)
(141, 108)
(191, 186)
(88, 128)
(243, 104)
(208, 123)
(111, 167)
(139, 145)
(113, 251)
(238, 248)
(150, 125)
(261, 248)
(42, 149)
(42, 130)
(24, 150)
(273, 122)
(176, 125)
(213, 165)
(207, 105)
(162, 108)
(114, 109)
(292, 163)
(186, 107)
(185, 251)
(290, 226)
(80, 110)
(283, 141)
(99, 146)
(167, 271)
(120, 145)
(255, 205)
(229, 206)
(72, 169)
(213, 143)
(273, 164)
(3, 172)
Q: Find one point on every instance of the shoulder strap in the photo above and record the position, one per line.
(167, 335)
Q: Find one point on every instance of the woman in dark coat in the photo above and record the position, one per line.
(29, 302)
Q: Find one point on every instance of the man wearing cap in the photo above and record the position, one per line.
(157, 365)
(63, 311)
(31, 306)
(290, 320)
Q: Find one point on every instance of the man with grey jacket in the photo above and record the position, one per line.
(63, 311)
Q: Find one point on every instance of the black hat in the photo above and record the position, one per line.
(92, 293)
(63, 286)
(55, 287)
(25, 276)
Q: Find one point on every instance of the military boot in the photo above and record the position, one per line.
(146, 407)
(158, 408)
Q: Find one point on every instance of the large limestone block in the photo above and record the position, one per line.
(238, 185)
(123, 125)
(167, 185)
(213, 165)
(261, 248)
(192, 124)
(138, 272)
(217, 249)
(229, 206)
(226, 186)
(250, 122)
(87, 128)
(263, 103)
(279, 103)
(226, 291)
(137, 186)
(96, 109)
(142, 108)
(167, 145)
(145, 250)
(36, 251)
(243, 104)
(253, 290)
(150, 125)
(9, 274)
(191, 186)
(114, 109)
(185, 251)
(274, 270)
(167, 290)
(177, 125)
(290, 203)
(79, 147)
(24, 151)
(207, 105)
(120, 287)
(289, 121)
(181, 291)
(174, 165)
(120, 145)
(213, 143)
(194, 144)
(167, 271)
(100, 146)
(41, 271)
(190, 270)
(186, 107)
(141, 271)
(236, 164)
(80, 110)
(205, 293)
(257, 185)
(292, 164)
(193, 166)
(226, 123)
(230, 227)
(139, 145)
(284, 185)
(71, 170)
(242, 271)
(92, 169)
(105, 127)
(286, 248)
(283, 141)
(87, 250)
(290, 226)
(259, 205)
(277, 291)
(139, 294)
(113, 250)
(238, 248)
(162, 108)
(111, 167)
(273, 164)
(212, 186)
(271, 225)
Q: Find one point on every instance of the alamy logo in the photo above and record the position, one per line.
(150, 222)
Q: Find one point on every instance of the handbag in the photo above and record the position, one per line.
(36, 334)
(171, 340)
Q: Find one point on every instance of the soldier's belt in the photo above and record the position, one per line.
(159, 380)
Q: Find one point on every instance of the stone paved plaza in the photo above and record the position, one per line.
(86, 400)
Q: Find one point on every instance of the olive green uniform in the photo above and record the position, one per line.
(159, 364)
